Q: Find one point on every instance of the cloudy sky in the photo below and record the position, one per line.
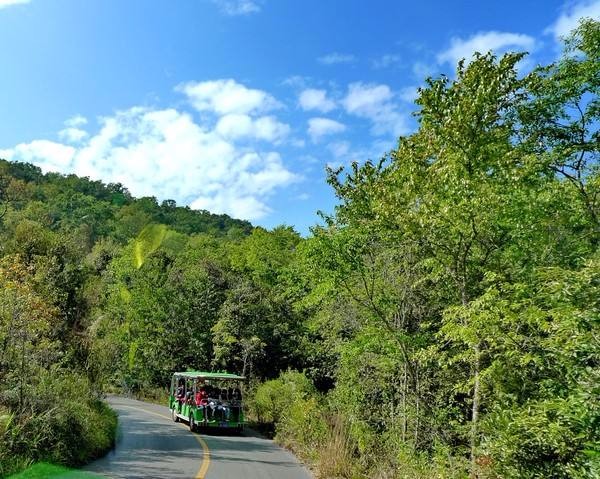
(237, 106)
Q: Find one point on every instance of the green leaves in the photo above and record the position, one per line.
(449, 305)
(468, 245)
(560, 120)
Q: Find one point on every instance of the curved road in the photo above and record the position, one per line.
(151, 445)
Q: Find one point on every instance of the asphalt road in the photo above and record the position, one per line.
(151, 445)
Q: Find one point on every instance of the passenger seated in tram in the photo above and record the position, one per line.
(225, 405)
(217, 403)
(201, 396)
(210, 400)
(180, 390)
(180, 393)
(237, 394)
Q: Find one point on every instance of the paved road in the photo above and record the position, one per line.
(151, 445)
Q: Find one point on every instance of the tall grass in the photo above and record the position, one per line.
(336, 446)
(336, 458)
(61, 422)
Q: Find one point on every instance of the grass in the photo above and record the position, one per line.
(76, 430)
(43, 470)
(335, 458)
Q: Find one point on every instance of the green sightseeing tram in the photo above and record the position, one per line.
(204, 399)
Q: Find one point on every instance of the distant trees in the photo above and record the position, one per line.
(65, 243)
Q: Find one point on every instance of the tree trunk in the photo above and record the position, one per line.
(417, 395)
(22, 372)
(476, 393)
(404, 414)
(475, 410)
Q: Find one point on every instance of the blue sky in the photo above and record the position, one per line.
(237, 106)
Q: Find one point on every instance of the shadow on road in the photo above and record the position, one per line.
(241, 448)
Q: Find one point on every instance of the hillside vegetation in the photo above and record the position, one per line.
(58, 235)
(443, 321)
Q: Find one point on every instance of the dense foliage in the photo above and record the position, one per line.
(470, 257)
(58, 235)
(445, 319)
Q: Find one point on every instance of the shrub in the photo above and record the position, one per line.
(339, 445)
(62, 422)
(303, 428)
(291, 404)
(275, 397)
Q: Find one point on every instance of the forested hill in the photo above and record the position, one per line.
(103, 210)
(444, 322)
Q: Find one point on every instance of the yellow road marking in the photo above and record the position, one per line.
(201, 474)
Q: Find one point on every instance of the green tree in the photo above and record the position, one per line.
(560, 122)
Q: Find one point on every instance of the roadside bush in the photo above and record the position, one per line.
(304, 423)
(274, 398)
(335, 444)
(554, 438)
(61, 422)
(303, 428)
(291, 404)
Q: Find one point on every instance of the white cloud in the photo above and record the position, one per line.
(344, 153)
(409, 94)
(245, 206)
(298, 142)
(482, 42)
(72, 135)
(386, 61)
(333, 58)
(269, 129)
(296, 81)
(339, 148)
(376, 103)
(76, 121)
(164, 153)
(8, 3)
(312, 99)
(57, 157)
(366, 98)
(236, 126)
(319, 127)
(569, 19)
(227, 96)
(422, 70)
(250, 184)
(237, 7)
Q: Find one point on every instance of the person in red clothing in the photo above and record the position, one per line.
(201, 399)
